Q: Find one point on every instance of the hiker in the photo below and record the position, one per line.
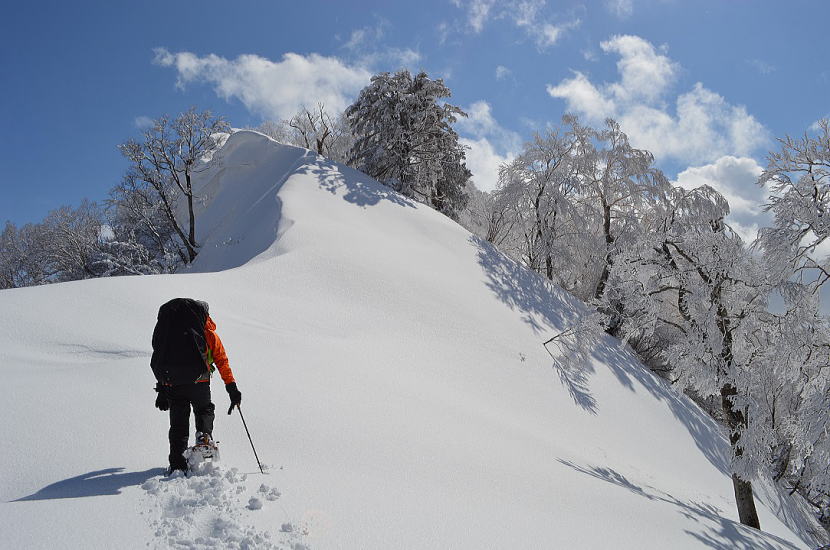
(186, 349)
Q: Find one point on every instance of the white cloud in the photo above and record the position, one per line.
(479, 120)
(620, 8)
(478, 12)
(645, 73)
(368, 36)
(483, 161)
(364, 46)
(490, 144)
(443, 31)
(702, 128)
(502, 72)
(548, 34)
(525, 14)
(736, 179)
(583, 97)
(357, 39)
(480, 124)
(143, 122)
(762, 66)
(397, 58)
(273, 89)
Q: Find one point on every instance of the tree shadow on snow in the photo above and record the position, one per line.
(707, 435)
(549, 311)
(357, 188)
(715, 531)
(541, 303)
(93, 484)
(574, 377)
(542, 306)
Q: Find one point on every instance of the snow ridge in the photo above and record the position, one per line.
(391, 361)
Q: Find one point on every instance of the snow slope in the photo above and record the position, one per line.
(393, 379)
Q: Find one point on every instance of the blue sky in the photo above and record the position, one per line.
(706, 85)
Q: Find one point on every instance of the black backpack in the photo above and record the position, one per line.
(179, 346)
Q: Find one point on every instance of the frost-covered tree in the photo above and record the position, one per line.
(11, 255)
(276, 130)
(404, 138)
(669, 276)
(65, 246)
(123, 254)
(314, 129)
(29, 259)
(486, 215)
(537, 201)
(792, 357)
(573, 199)
(163, 165)
(798, 178)
(690, 291)
(143, 240)
(619, 185)
(73, 241)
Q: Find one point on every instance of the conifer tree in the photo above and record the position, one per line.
(404, 139)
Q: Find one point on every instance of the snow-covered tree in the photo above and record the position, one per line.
(143, 239)
(538, 202)
(12, 271)
(690, 291)
(65, 246)
(73, 237)
(163, 164)
(798, 178)
(573, 199)
(619, 186)
(9, 257)
(404, 138)
(276, 130)
(792, 357)
(314, 129)
(124, 254)
(588, 211)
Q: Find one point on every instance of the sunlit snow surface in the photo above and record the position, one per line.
(393, 380)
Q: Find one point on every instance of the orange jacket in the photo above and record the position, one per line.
(216, 352)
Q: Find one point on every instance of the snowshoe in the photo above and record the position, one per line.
(204, 449)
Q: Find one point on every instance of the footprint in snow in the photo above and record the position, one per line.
(210, 509)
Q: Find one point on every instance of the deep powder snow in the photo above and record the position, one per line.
(393, 378)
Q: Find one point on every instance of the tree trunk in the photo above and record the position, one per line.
(609, 241)
(191, 235)
(746, 502)
(436, 199)
(744, 498)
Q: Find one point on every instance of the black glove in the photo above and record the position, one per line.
(163, 398)
(235, 395)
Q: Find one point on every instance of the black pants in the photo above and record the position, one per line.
(181, 399)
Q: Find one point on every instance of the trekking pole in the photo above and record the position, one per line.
(249, 438)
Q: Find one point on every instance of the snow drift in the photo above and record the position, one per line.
(393, 379)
